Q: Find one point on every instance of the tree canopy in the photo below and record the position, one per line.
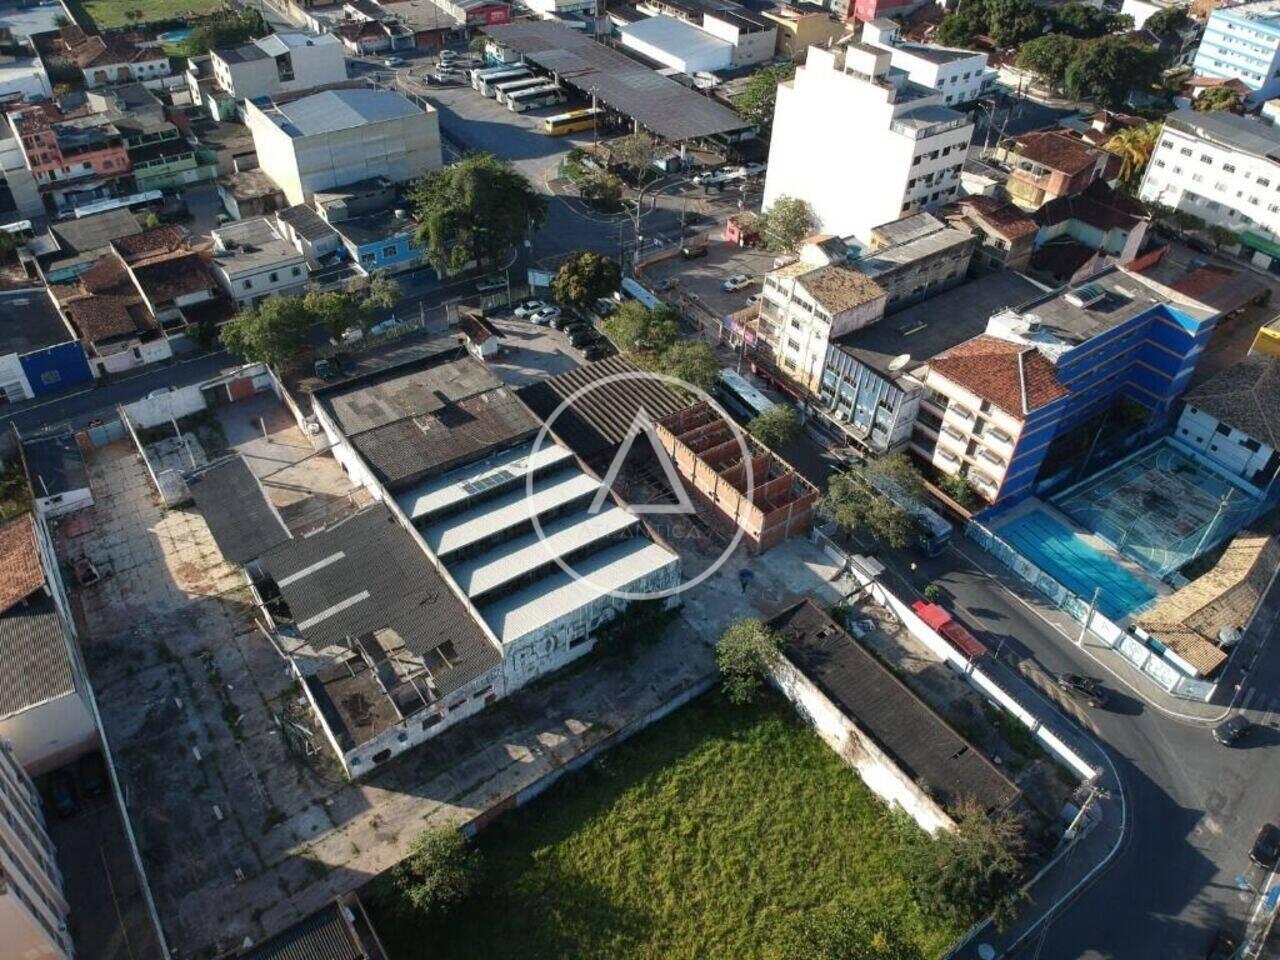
(760, 93)
(225, 29)
(1108, 69)
(1167, 20)
(775, 426)
(973, 870)
(1011, 23)
(336, 310)
(9, 244)
(584, 278)
(274, 331)
(857, 499)
(636, 151)
(692, 361)
(1048, 57)
(1227, 99)
(786, 222)
(634, 328)
(745, 653)
(475, 209)
(1134, 147)
(441, 871)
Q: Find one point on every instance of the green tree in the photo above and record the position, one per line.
(785, 222)
(1220, 236)
(475, 209)
(759, 94)
(932, 593)
(1134, 147)
(151, 220)
(274, 331)
(745, 653)
(584, 278)
(636, 151)
(224, 29)
(478, 43)
(958, 29)
(441, 871)
(601, 188)
(857, 499)
(9, 244)
(1011, 23)
(843, 932)
(1048, 57)
(775, 426)
(634, 328)
(1227, 99)
(336, 311)
(958, 489)
(1083, 21)
(1109, 69)
(692, 361)
(381, 292)
(1167, 20)
(973, 870)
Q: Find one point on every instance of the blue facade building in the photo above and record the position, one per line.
(996, 404)
(381, 241)
(39, 352)
(1243, 43)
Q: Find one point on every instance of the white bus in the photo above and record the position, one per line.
(489, 85)
(503, 90)
(479, 74)
(535, 97)
(740, 397)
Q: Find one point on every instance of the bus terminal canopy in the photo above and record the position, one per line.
(657, 103)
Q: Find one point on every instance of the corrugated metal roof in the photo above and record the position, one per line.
(883, 707)
(657, 103)
(244, 523)
(367, 573)
(35, 664)
(322, 936)
(333, 110)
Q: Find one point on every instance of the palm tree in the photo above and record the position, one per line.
(1134, 147)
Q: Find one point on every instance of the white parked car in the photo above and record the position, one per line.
(735, 283)
(754, 169)
(383, 328)
(352, 334)
(159, 392)
(526, 308)
(393, 61)
(754, 299)
(492, 282)
(544, 316)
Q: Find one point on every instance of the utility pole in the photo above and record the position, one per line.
(1088, 617)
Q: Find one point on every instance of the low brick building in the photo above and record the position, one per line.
(708, 454)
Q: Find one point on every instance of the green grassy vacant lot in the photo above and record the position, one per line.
(109, 14)
(699, 838)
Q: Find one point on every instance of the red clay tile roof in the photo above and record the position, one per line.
(104, 303)
(174, 275)
(1003, 372)
(95, 52)
(1057, 151)
(1006, 219)
(1102, 208)
(165, 239)
(20, 572)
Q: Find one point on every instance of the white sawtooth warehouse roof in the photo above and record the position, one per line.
(680, 43)
(550, 598)
(458, 486)
(561, 537)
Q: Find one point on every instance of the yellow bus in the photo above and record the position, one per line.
(571, 122)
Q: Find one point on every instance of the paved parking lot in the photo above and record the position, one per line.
(531, 353)
(701, 279)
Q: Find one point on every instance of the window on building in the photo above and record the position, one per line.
(273, 277)
(1264, 182)
(1186, 151)
(1228, 168)
(391, 251)
(296, 271)
(248, 284)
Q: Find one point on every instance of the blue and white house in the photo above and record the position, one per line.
(1243, 43)
(381, 241)
(39, 353)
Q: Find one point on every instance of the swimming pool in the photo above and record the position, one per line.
(1056, 550)
(175, 36)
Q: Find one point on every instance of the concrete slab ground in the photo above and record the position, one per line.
(532, 352)
(244, 830)
(700, 279)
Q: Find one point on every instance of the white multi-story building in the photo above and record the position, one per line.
(278, 63)
(337, 137)
(862, 143)
(810, 302)
(1144, 10)
(252, 261)
(1243, 43)
(961, 76)
(1223, 169)
(721, 41)
(33, 910)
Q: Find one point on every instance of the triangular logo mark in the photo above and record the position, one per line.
(642, 423)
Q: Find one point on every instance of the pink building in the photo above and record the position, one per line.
(73, 157)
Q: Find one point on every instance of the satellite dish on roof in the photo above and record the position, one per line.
(899, 362)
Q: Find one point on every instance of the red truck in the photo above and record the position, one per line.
(950, 628)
